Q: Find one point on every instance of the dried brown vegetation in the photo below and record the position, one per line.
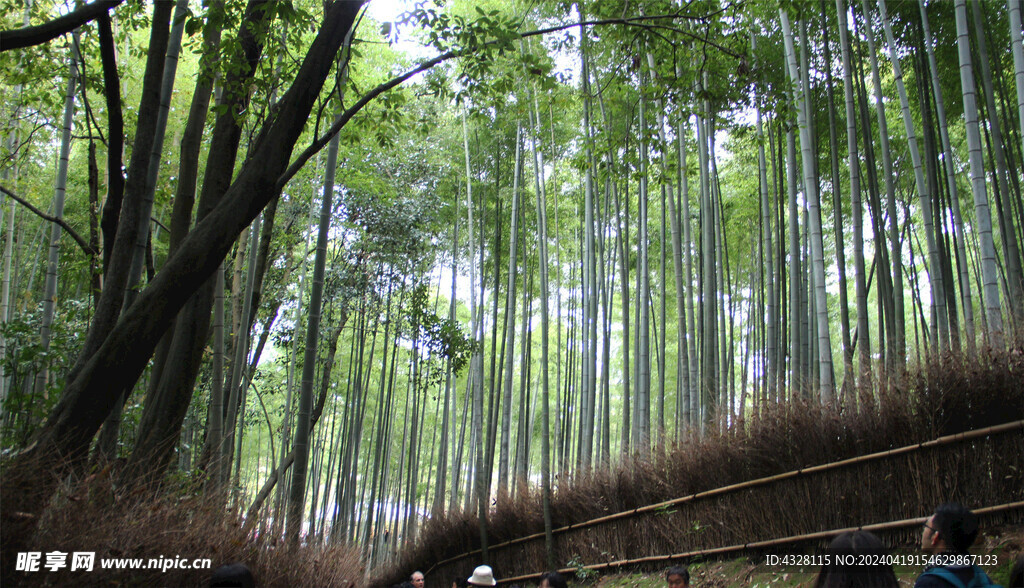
(95, 517)
(951, 394)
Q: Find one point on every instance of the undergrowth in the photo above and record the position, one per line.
(94, 516)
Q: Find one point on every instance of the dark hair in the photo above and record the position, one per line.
(236, 575)
(956, 525)
(1016, 579)
(843, 574)
(555, 580)
(679, 571)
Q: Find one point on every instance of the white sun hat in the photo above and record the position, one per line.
(482, 576)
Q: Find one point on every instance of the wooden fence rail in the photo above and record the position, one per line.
(765, 481)
(702, 553)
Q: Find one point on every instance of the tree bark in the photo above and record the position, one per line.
(119, 361)
(39, 34)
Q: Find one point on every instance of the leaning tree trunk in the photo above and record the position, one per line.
(119, 361)
(167, 401)
(107, 443)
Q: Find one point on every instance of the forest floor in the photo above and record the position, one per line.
(1006, 543)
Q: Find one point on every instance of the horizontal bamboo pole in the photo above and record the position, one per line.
(945, 440)
(762, 544)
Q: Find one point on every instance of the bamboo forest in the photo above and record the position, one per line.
(343, 290)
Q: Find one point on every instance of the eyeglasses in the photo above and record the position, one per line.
(927, 526)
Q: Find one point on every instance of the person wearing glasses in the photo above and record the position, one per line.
(946, 536)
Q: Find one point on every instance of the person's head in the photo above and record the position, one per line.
(552, 580)
(952, 529)
(845, 572)
(236, 575)
(677, 577)
(417, 579)
(482, 576)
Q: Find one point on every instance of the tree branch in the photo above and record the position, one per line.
(39, 34)
(346, 116)
(88, 249)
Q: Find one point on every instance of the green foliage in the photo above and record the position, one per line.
(582, 574)
(25, 357)
(444, 339)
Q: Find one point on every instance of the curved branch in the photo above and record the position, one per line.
(88, 249)
(346, 116)
(39, 34)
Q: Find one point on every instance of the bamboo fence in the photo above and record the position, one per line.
(976, 467)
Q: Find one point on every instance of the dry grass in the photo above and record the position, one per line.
(93, 516)
(950, 394)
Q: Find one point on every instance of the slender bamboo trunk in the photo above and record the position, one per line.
(542, 239)
(837, 212)
(863, 340)
(810, 181)
(60, 189)
(990, 287)
(951, 175)
(1017, 48)
(898, 345)
(924, 197)
(1011, 250)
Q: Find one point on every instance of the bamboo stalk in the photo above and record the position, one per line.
(938, 442)
(762, 544)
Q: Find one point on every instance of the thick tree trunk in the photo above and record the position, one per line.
(119, 361)
(115, 139)
(167, 401)
(107, 444)
(117, 267)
